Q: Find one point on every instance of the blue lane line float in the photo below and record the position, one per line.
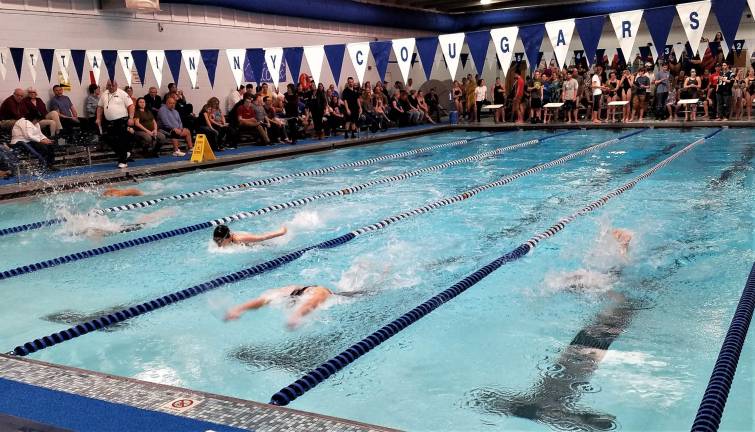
(248, 214)
(96, 324)
(712, 406)
(351, 354)
(255, 183)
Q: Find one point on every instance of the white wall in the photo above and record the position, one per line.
(79, 24)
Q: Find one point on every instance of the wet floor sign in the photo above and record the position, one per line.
(202, 150)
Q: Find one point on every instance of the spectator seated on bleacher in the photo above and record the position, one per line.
(170, 123)
(27, 137)
(209, 125)
(153, 101)
(334, 118)
(61, 104)
(277, 124)
(11, 109)
(147, 133)
(115, 111)
(247, 120)
(32, 104)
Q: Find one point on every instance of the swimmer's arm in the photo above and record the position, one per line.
(110, 192)
(236, 311)
(310, 305)
(242, 237)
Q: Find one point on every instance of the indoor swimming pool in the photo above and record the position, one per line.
(390, 226)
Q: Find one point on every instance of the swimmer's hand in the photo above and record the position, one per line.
(293, 323)
(233, 314)
(283, 230)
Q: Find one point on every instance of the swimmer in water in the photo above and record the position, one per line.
(623, 237)
(112, 192)
(310, 296)
(114, 228)
(580, 280)
(222, 236)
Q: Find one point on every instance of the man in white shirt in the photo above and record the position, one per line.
(569, 96)
(117, 108)
(597, 93)
(233, 98)
(27, 135)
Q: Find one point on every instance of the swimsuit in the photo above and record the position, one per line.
(613, 85)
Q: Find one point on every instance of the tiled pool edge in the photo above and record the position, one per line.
(141, 394)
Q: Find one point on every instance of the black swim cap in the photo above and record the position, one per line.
(222, 232)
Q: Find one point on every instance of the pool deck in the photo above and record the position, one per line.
(72, 178)
(144, 397)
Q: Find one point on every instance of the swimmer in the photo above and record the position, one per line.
(222, 236)
(109, 228)
(112, 192)
(311, 296)
(623, 237)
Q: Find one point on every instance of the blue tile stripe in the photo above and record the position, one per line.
(296, 389)
(102, 322)
(255, 183)
(30, 268)
(708, 417)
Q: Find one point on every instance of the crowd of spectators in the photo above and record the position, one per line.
(250, 114)
(649, 88)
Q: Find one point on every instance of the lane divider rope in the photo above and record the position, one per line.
(708, 417)
(131, 312)
(355, 351)
(261, 182)
(18, 271)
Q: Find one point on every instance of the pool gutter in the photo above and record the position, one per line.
(208, 407)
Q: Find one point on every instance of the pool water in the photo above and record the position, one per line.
(495, 358)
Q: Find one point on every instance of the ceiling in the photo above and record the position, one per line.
(467, 6)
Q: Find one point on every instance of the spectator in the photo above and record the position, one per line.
(425, 110)
(130, 92)
(353, 109)
(535, 90)
(671, 103)
(597, 92)
(90, 106)
(481, 94)
(611, 94)
(723, 92)
(247, 119)
(691, 87)
(661, 90)
(146, 131)
(380, 112)
(153, 101)
(291, 108)
(334, 116)
(278, 124)
(234, 97)
(334, 91)
(433, 104)
(114, 112)
(471, 102)
(33, 104)
(318, 104)
(11, 109)
(8, 162)
(625, 91)
(215, 133)
(397, 113)
(499, 98)
(415, 116)
(458, 97)
(275, 131)
(28, 136)
(569, 96)
(219, 122)
(517, 92)
(64, 107)
(170, 122)
(749, 92)
(641, 87)
(172, 92)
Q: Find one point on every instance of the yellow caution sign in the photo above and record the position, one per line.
(202, 150)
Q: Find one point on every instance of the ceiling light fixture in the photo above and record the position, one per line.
(486, 2)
